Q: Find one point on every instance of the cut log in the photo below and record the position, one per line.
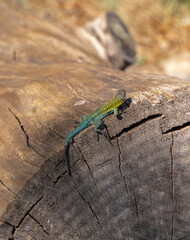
(139, 188)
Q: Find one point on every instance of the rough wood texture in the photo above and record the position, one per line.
(138, 189)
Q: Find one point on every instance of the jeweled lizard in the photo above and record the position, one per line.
(95, 118)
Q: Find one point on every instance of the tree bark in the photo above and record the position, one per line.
(139, 188)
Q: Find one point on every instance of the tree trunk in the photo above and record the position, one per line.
(139, 188)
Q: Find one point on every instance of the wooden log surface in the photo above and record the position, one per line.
(137, 189)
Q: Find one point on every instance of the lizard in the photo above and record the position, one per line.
(95, 118)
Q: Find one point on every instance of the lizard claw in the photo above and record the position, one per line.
(105, 135)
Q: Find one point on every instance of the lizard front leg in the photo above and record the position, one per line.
(117, 111)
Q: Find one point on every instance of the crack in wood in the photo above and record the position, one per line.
(25, 215)
(34, 165)
(90, 207)
(120, 166)
(177, 128)
(137, 124)
(92, 210)
(172, 164)
(172, 179)
(87, 166)
(12, 229)
(8, 188)
(108, 134)
(64, 173)
(25, 132)
(21, 126)
(59, 178)
(39, 224)
(57, 165)
(137, 211)
(46, 175)
(62, 161)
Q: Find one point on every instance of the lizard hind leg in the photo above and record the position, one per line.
(99, 131)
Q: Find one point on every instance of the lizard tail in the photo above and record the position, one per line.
(66, 157)
(82, 126)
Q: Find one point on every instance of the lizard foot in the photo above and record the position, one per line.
(105, 135)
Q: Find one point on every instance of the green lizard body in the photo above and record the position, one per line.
(95, 118)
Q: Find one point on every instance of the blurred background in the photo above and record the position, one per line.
(161, 28)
